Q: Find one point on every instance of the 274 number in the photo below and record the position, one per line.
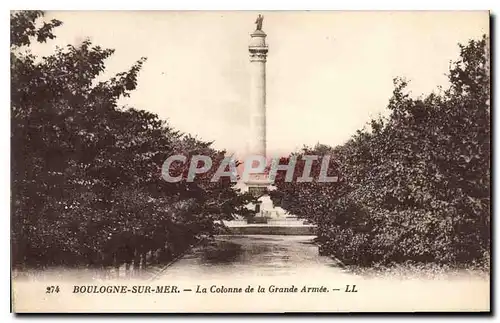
(52, 289)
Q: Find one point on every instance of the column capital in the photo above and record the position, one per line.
(258, 57)
(258, 53)
(258, 48)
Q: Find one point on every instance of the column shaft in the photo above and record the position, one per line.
(258, 108)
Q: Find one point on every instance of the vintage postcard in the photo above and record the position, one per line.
(250, 162)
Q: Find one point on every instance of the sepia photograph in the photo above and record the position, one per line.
(250, 161)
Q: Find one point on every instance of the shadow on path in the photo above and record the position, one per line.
(264, 255)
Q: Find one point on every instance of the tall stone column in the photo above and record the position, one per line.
(258, 184)
(257, 137)
(258, 54)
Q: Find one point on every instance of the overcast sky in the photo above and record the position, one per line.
(327, 72)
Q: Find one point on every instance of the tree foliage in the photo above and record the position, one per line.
(416, 184)
(86, 173)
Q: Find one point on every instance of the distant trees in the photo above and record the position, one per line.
(86, 174)
(416, 185)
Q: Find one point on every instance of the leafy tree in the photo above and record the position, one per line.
(416, 185)
(86, 173)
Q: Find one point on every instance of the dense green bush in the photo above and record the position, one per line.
(415, 186)
(86, 173)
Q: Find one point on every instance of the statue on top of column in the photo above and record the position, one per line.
(259, 20)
